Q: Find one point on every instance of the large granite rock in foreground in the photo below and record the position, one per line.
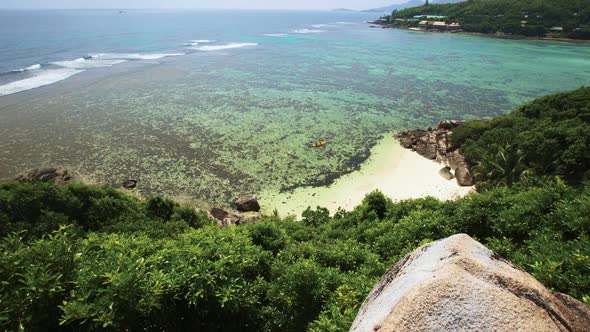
(457, 284)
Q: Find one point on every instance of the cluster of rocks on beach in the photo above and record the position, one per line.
(434, 144)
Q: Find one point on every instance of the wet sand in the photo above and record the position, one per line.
(397, 172)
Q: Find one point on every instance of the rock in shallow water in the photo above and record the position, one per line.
(457, 284)
(130, 184)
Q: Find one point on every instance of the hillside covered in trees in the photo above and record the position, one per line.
(547, 137)
(80, 257)
(533, 18)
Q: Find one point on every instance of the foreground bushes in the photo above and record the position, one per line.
(87, 258)
(42, 208)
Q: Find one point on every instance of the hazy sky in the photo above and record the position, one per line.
(253, 4)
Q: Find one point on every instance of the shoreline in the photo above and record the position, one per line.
(492, 35)
(398, 173)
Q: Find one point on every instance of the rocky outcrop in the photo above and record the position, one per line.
(446, 173)
(223, 217)
(457, 284)
(463, 176)
(248, 208)
(247, 203)
(226, 219)
(434, 144)
(55, 175)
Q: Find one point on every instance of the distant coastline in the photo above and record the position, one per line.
(493, 35)
(523, 20)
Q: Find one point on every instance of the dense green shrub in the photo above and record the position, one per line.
(42, 208)
(547, 137)
(274, 275)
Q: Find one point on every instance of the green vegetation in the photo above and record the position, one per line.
(547, 137)
(81, 257)
(534, 18)
(125, 264)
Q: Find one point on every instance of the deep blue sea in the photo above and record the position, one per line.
(40, 47)
(210, 104)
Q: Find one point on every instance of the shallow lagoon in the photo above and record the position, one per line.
(209, 125)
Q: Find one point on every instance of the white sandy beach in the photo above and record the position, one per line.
(397, 172)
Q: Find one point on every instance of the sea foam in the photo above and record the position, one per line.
(85, 63)
(306, 31)
(133, 56)
(44, 77)
(110, 59)
(33, 67)
(196, 42)
(223, 47)
(69, 68)
(278, 35)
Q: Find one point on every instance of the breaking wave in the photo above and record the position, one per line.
(44, 77)
(133, 56)
(278, 35)
(38, 75)
(33, 67)
(85, 63)
(306, 31)
(223, 47)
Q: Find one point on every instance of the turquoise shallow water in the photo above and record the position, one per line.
(235, 114)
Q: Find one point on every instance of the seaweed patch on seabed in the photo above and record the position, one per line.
(219, 146)
(211, 137)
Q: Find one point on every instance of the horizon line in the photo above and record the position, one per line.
(190, 8)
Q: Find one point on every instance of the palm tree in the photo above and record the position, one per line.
(502, 164)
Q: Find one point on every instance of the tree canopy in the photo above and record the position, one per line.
(533, 18)
(547, 137)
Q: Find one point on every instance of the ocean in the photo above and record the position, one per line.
(211, 104)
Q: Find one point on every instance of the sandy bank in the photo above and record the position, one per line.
(398, 173)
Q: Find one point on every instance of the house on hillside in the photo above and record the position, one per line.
(439, 25)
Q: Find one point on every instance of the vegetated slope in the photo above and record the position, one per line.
(523, 17)
(80, 257)
(157, 272)
(547, 137)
